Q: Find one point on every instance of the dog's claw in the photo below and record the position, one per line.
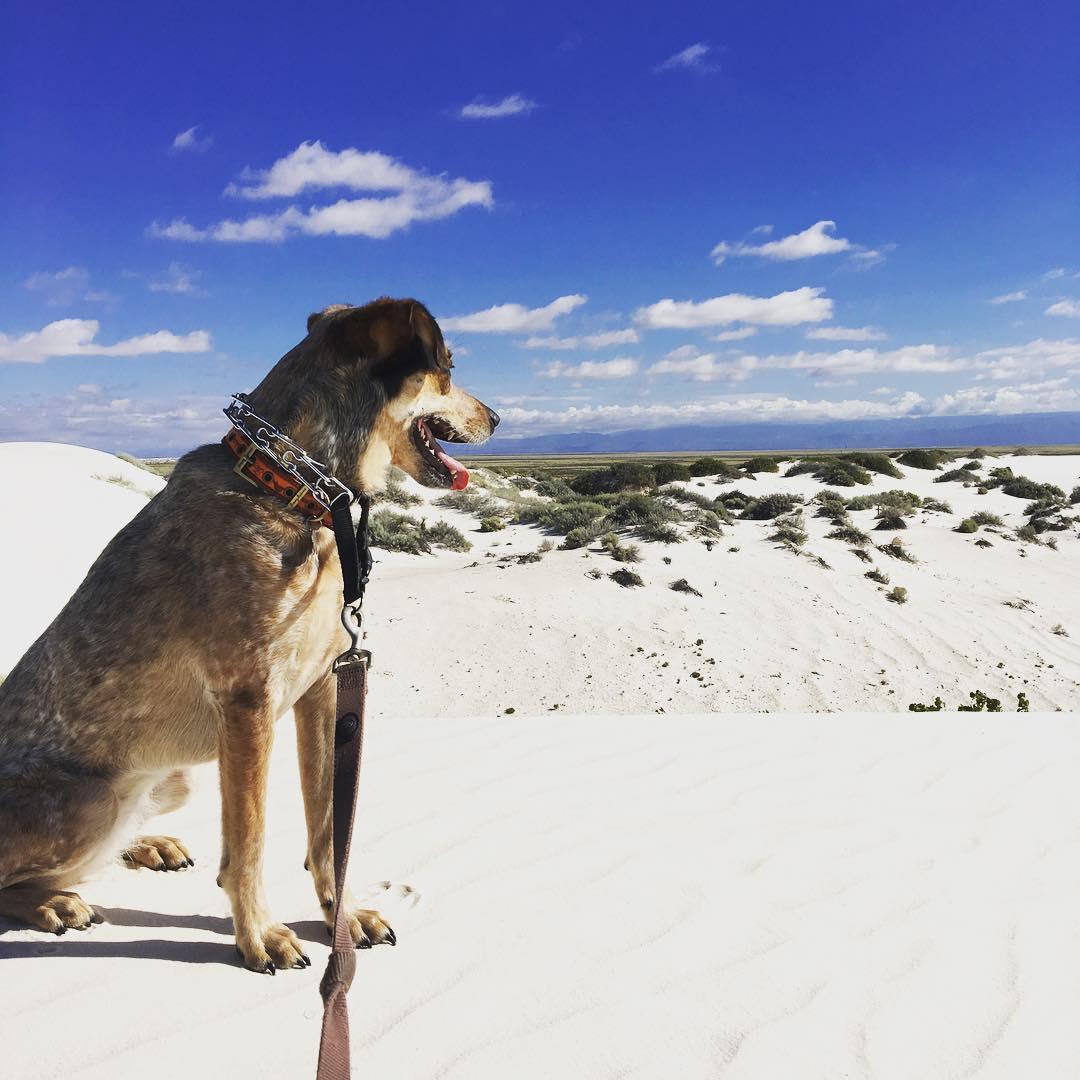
(391, 937)
(365, 944)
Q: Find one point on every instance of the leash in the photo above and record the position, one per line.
(351, 671)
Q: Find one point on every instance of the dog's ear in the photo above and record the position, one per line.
(315, 316)
(387, 327)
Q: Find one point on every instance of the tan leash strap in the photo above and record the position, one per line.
(351, 671)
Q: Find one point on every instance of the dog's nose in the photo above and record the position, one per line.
(493, 416)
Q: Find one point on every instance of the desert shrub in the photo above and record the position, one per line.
(878, 576)
(936, 506)
(998, 475)
(890, 518)
(626, 578)
(734, 500)
(875, 463)
(971, 466)
(695, 498)
(625, 553)
(713, 466)
(770, 506)
(666, 471)
(470, 502)
(523, 483)
(984, 517)
(831, 503)
(789, 535)
(555, 488)
(923, 459)
(900, 500)
(566, 516)
(492, 524)
(849, 535)
(760, 464)
(529, 557)
(595, 574)
(708, 524)
(393, 494)
(983, 543)
(1074, 495)
(683, 586)
(978, 452)
(897, 594)
(582, 536)
(545, 547)
(658, 534)
(1028, 533)
(968, 525)
(393, 531)
(633, 511)
(962, 476)
(895, 549)
(1020, 487)
(617, 477)
(831, 470)
(446, 536)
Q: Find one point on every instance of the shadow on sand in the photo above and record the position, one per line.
(85, 944)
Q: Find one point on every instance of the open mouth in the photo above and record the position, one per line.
(428, 430)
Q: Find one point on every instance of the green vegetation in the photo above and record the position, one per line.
(618, 477)
(492, 524)
(898, 595)
(924, 459)
(878, 576)
(980, 702)
(760, 464)
(849, 535)
(890, 518)
(683, 586)
(667, 471)
(626, 578)
(394, 531)
(968, 525)
(837, 471)
(962, 476)
(770, 506)
(895, 550)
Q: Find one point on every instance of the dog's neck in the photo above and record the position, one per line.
(318, 404)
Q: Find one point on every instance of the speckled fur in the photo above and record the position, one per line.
(214, 612)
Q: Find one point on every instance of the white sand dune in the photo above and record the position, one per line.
(634, 896)
(584, 894)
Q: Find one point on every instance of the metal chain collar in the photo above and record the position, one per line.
(325, 488)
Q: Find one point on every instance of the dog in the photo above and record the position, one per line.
(212, 613)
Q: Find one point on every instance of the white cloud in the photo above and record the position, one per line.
(511, 105)
(783, 309)
(75, 337)
(1009, 297)
(692, 58)
(1054, 395)
(1068, 308)
(189, 140)
(740, 333)
(816, 240)
(513, 318)
(177, 279)
(690, 363)
(622, 367)
(1051, 275)
(846, 333)
(62, 288)
(410, 195)
(882, 391)
(586, 341)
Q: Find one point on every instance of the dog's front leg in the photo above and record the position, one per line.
(246, 739)
(315, 716)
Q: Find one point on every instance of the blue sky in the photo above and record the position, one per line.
(625, 215)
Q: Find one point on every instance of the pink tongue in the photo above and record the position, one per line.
(461, 474)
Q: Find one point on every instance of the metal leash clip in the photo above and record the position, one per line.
(352, 619)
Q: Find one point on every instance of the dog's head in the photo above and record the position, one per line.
(373, 388)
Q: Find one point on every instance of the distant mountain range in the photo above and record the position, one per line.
(1025, 429)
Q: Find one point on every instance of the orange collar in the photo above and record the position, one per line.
(261, 470)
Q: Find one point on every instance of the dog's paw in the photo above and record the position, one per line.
(277, 948)
(158, 853)
(54, 912)
(368, 928)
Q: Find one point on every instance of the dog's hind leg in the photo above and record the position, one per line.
(51, 834)
(163, 852)
(47, 908)
(315, 717)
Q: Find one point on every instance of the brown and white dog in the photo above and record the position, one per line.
(211, 614)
